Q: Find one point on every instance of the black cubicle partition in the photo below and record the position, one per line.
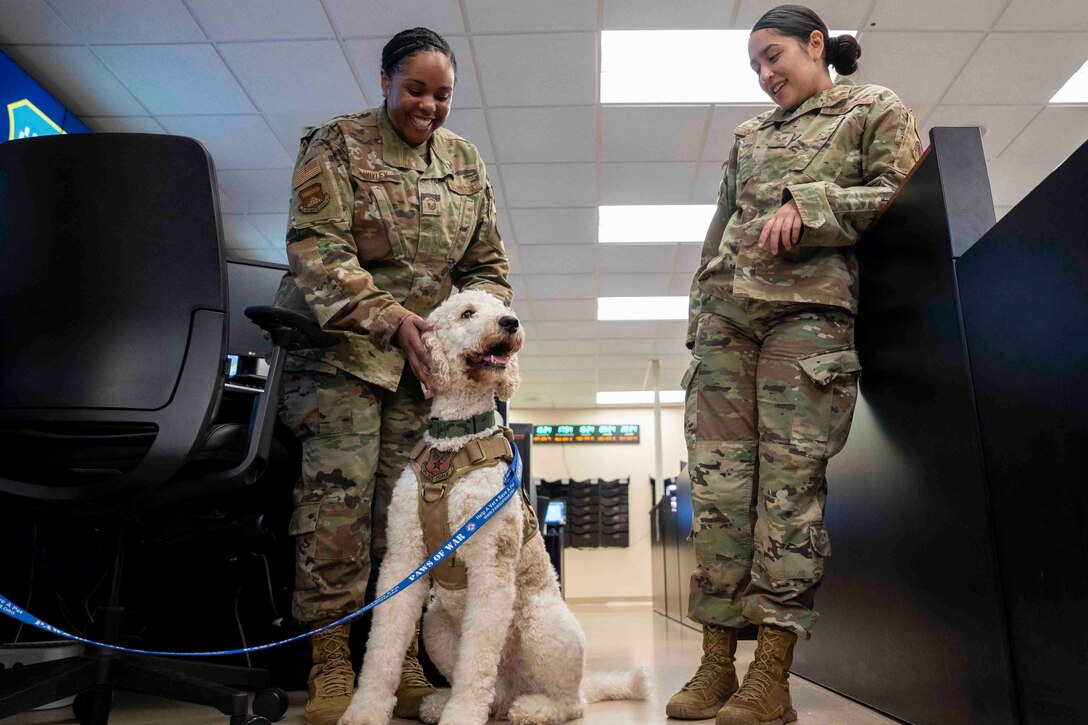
(957, 586)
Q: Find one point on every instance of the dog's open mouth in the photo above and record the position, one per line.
(496, 357)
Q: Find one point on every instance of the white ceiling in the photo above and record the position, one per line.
(245, 76)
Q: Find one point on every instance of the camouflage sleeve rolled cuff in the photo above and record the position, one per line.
(835, 216)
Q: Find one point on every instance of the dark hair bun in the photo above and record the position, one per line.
(843, 52)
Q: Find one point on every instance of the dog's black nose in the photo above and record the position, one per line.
(509, 324)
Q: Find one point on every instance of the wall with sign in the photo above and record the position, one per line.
(28, 110)
(619, 573)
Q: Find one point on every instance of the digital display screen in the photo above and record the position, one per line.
(29, 110)
(556, 513)
(586, 433)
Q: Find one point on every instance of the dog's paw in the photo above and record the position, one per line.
(364, 713)
(460, 712)
(430, 710)
(535, 709)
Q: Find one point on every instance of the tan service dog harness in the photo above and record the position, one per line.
(437, 472)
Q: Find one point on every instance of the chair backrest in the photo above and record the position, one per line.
(112, 310)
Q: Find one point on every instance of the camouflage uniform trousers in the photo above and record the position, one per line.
(355, 438)
(770, 398)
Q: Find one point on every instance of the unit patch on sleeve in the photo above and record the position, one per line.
(312, 198)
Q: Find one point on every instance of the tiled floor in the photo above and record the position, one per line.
(620, 636)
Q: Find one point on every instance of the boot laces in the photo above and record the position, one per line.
(760, 678)
(411, 674)
(708, 672)
(336, 674)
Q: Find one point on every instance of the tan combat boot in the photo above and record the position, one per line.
(331, 677)
(413, 685)
(764, 698)
(714, 681)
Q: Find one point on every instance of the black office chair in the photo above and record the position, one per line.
(113, 327)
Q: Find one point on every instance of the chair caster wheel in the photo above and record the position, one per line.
(270, 704)
(93, 706)
(256, 720)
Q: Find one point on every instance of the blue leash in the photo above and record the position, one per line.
(511, 482)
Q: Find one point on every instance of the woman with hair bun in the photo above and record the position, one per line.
(388, 212)
(773, 383)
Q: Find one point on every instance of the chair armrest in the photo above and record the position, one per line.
(289, 329)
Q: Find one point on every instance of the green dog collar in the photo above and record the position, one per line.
(462, 426)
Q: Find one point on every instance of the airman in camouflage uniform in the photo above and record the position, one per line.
(772, 386)
(376, 233)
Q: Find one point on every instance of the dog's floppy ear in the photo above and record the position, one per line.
(440, 365)
(511, 379)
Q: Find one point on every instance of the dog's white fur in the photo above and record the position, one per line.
(508, 643)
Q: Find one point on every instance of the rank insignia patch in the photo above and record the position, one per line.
(312, 199)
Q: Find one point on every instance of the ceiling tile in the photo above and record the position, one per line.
(617, 361)
(620, 380)
(566, 330)
(566, 311)
(77, 78)
(1000, 211)
(239, 233)
(634, 285)
(561, 286)
(1062, 15)
(646, 183)
(235, 142)
(680, 283)
(926, 77)
(560, 133)
(635, 258)
(838, 14)
(506, 229)
(284, 76)
(720, 138)
(551, 362)
(262, 19)
(662, 133)
(383, 19)
(1001, 123)
(495, 178)
(1011, 180)
(584, 348)
(933, 15)
(366, 57)
(503, 16)
(550, 185)
(226, 204)
(123, 124)
(273, 227)
(517, 283)
(32, 21)
(290, 127)
(540, 374)
(555, 226)
(656, 15)
(1029, 67)
(470, 124)
(1054, 134)
(265, 191)
(176, 79)
(129, 21)
(559, 258)
(707, 181)
(616, 329)
(538, 70)
(688, 258)
(627, 346)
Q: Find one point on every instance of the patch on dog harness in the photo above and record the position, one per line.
(436, 473)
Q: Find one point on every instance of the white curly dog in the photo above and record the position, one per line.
(508, 643)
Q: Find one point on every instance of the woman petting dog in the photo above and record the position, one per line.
(772, 387)
(388, 212)
(496, 625)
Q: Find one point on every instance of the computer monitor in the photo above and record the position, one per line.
(556, 513)
(250, 283)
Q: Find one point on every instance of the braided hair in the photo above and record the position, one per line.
(841, 52)
(407, 43)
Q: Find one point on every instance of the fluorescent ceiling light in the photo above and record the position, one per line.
(638, 397)
(653, 223)
(642, 308)
(1075, 89)
(644, 66)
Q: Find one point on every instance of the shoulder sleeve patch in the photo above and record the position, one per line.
(307, 172)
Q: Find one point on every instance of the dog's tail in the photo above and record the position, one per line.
(633, 684)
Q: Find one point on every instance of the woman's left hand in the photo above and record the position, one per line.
(784, 228)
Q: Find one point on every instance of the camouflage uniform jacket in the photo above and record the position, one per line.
(376, 233)
(840, 155)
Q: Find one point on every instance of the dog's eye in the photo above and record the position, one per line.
(467, 314)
